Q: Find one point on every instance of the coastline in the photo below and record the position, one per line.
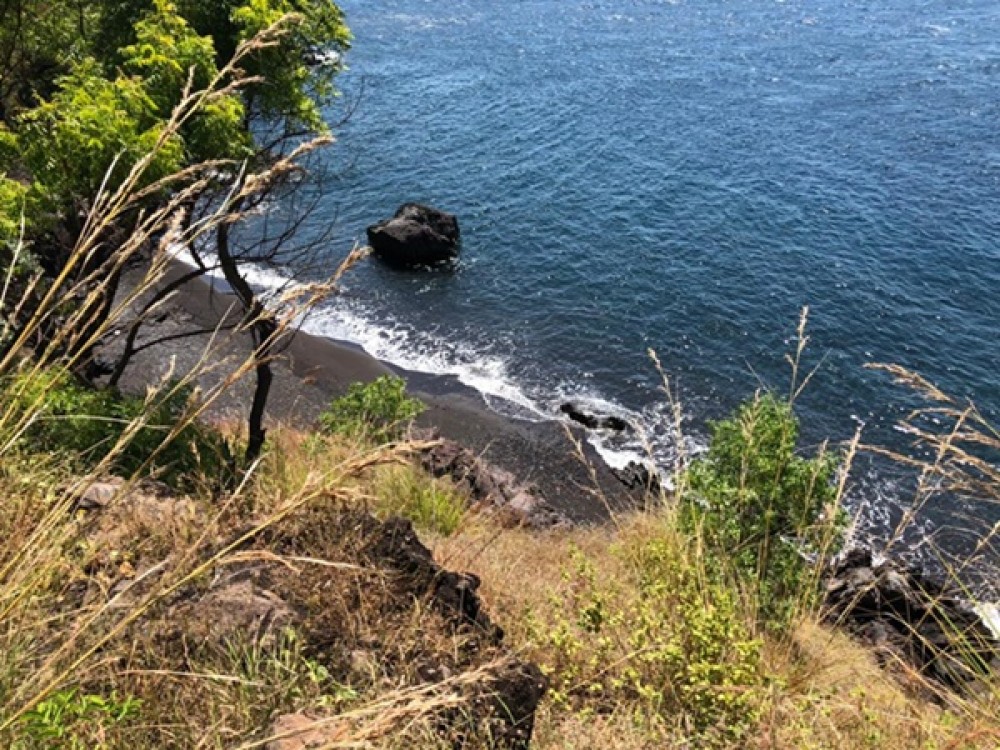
(313, 369)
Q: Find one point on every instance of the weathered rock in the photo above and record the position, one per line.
(505, 706)
(904, 614)
(637, 476)
(394, 544)
(239, 610)
(143, 518)
(99, 494)
(490, 487)
(416, 235)
(581, 416)
(300, 731)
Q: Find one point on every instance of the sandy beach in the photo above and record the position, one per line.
(312, 370)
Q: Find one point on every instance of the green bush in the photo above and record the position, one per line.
(378, 411)
(84, 425)
(425, 501)
(761, 509)
(667, 646)
(72, 720)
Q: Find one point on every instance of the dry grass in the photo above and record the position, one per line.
(823, 689)
(819, 689)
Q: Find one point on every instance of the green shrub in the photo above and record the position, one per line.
(378, 411)
(760, 508)
(667, 646)
(84, 424)
(414, 495)
(73, 720)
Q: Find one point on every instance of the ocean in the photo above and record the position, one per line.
(682, 176)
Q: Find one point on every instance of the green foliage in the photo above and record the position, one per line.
(13, 197)
(74, 720)
(378, 411)
(667, 646)
(759, 507)
(84, 424)
(294, 90)
(286, 675)
(430, 505)
(38, 40)
(70, 142)
(84, 86)
(167, 56)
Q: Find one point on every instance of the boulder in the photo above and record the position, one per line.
(238, 610)
(416, 236)
(580, 415)
(490, 487)
(637, 476)
(505, 704)
(393, 545)
(906, 615)
(304, 731)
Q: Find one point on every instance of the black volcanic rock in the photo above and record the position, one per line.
(579, 415)
(416, 236)
(911, 618)
(637, 476)
(490, 487)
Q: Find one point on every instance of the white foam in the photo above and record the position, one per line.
(420, 351)
(989, 613)
(653, 441)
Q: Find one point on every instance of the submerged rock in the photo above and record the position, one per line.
(415, 236)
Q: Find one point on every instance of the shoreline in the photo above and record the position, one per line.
(312, 370)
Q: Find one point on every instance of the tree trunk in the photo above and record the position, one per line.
(263, 330)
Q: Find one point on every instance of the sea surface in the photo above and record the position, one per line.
(682, 176)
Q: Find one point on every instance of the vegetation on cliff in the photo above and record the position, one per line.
(155, 592)
(298, 606)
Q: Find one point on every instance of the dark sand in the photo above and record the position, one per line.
(312, 370)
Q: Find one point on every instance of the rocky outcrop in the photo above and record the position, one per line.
(500, 703)
(904, 615)
(491, 488)
(580, 415)
(371, 605)
(394, 544)
(500, 707)
(637, 476)
(416, 236)
(504, 705)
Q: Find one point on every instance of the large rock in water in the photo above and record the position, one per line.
(416, 236)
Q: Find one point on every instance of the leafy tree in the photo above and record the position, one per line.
(761, 508)
(84, 425)
(86, 90)
(90, 124)
(168, 56)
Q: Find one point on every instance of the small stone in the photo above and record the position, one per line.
(99, 494)
(302, 732)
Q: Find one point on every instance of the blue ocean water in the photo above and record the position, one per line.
(681, 175)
